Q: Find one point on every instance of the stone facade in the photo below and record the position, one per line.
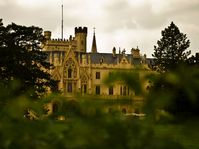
(83, 73)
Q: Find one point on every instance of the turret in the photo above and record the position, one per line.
(84, 60)
(114, 52)
(47, 35)
(81, 38)
(135, 53)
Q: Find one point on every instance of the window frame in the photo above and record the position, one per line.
(97, 75)
(70, 73)
(110, 90)
(69, 87)
(97, 90)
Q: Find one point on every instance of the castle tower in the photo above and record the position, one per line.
(94, 45)
(81, 38)
(47, 35)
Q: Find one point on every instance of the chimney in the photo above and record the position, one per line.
(114, 52)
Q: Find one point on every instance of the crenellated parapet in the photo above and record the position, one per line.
(81, 38)
(81, 30)
(78, 42)
(58, 44)
(61, 42)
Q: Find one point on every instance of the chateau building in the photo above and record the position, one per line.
(82, 72)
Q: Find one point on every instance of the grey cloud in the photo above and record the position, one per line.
(24, 16)
(118, 16)
(114, 15)
(121, 14)
(46, 18)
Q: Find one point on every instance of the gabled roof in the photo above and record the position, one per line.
(98, 58)
(109, 58)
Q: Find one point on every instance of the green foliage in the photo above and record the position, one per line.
(172, 103)
(131, 79)
(88, 128)
(193, 60)
(21, 59)
(171, 49)
(177, 92)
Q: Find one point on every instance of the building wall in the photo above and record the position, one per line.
(76, 70)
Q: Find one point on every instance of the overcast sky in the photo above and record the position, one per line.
(120, 23)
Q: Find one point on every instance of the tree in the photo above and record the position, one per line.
(21, 59)
(171, 49)
(193, 60)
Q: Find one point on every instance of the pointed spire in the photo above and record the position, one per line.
(94, 45)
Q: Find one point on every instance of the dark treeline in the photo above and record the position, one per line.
(21, 59)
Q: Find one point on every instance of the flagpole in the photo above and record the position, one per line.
(62, 20)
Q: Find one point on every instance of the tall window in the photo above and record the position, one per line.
(111, 90)
(70, 89)
(124, 90)
(128, 91)
(121, 90)
(97, 90)
(97, 75)
(70, 69)
(84, 88)
(69, 73)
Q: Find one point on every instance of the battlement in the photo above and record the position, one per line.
(80, 30)
(58, 40)
(47, 35)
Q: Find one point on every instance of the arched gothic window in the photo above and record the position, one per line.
(84, 84)
(70, 69)
(69, 73)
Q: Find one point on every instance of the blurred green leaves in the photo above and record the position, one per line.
(174, 96)
(131, 79)
(177, 92)
(87, 127)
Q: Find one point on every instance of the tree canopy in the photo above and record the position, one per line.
(171, 49)
(21, 59)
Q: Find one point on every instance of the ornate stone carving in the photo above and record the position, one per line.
(70, 64)
(84, 76)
